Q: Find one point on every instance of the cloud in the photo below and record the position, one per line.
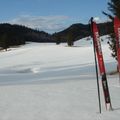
(100, 20)
(46, 23)
(97, 19)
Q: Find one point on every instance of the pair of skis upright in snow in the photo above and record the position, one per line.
(99, 59)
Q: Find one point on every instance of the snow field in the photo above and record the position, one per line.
(55, 82)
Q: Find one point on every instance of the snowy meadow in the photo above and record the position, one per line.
(55, 82)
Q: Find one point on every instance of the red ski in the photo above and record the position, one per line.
(100, 61)
(117, 34)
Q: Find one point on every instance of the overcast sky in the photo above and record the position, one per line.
(51, 15)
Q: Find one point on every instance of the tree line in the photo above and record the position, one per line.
(14, 35)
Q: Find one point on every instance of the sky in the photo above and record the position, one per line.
(51, 15)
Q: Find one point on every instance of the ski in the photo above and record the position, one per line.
(117, 34)
(100, 61)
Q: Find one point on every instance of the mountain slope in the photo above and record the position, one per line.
(79, 31)
(18, 34)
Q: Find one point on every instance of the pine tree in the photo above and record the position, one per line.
(4, 43)
(70, 39)
(114, 8)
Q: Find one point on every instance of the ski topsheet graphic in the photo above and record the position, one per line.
(100, 61)
(117, 34)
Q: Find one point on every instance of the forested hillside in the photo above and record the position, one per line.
(12, 35)
(79, 31)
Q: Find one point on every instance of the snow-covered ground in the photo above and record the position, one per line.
(55, 82)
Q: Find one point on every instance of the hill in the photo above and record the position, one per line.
(17, 34)
(11, 35)
(79, 31)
